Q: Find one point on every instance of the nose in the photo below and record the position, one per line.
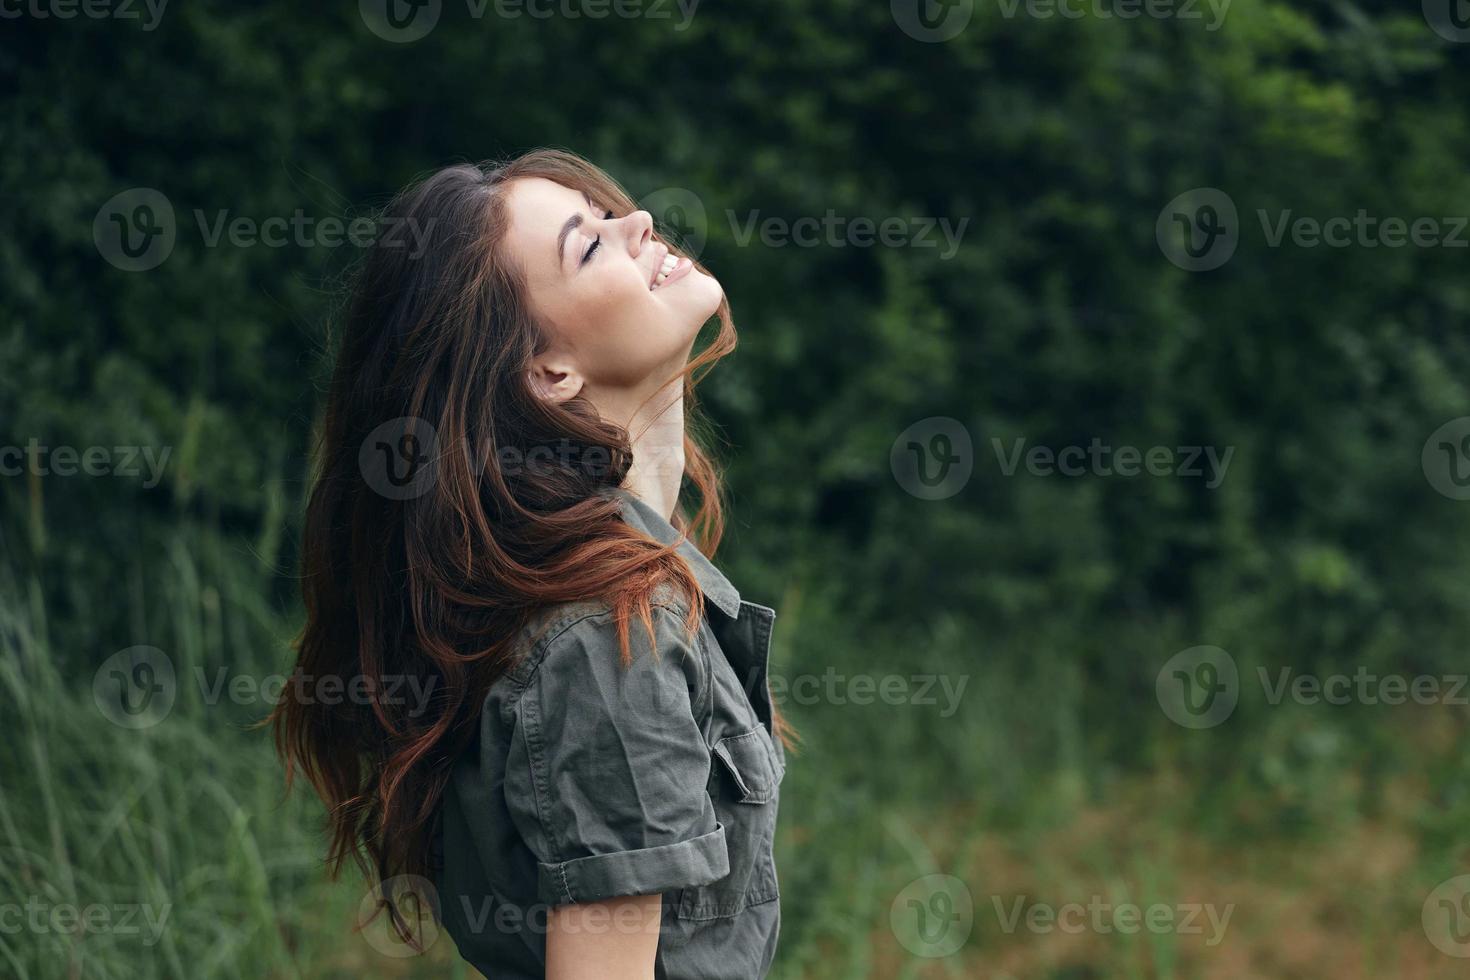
(639, 227)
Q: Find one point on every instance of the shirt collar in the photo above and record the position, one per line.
(712, 582)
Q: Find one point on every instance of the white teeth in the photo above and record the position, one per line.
(666, 267)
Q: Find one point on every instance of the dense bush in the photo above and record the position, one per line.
(1057, 320)
(1050, 146)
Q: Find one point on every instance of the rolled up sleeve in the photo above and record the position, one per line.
(608, 771)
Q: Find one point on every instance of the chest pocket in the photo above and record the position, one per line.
(744, 786)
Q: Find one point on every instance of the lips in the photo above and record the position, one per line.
(663, 259)
(669, 268)
(664, 268)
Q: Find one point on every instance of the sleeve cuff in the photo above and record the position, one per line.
(647, 871)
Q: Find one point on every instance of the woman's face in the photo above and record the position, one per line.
(619, 328)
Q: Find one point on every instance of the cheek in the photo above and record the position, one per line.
(616, 308)
(593, 311)
(616, 323)
(621, 330)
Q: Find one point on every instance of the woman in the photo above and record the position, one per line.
(564, 720)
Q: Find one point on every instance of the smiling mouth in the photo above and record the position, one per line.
(670, 269)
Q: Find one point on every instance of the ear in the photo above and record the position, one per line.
(554, 378)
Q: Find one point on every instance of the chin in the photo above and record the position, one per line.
(691, 302)
(706, 291)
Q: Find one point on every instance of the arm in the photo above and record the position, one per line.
(611, 940)
(607, 783)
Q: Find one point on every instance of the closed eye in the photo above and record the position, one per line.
(596, 242)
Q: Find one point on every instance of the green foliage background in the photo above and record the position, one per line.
(1059, 320)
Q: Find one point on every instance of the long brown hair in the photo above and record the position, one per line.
(420, 584)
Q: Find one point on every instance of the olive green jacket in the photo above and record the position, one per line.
(591, 780)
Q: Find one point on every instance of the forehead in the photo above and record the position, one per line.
(537, 208)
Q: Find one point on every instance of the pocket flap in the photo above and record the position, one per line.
(751, 761)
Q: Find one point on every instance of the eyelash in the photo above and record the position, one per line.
(596, 242)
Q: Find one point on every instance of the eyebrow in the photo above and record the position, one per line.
(567, 227)
(561, 239)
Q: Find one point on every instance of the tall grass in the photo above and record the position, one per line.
(176, 835)
(1030, 792)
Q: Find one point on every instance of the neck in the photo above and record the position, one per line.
(657, 431)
